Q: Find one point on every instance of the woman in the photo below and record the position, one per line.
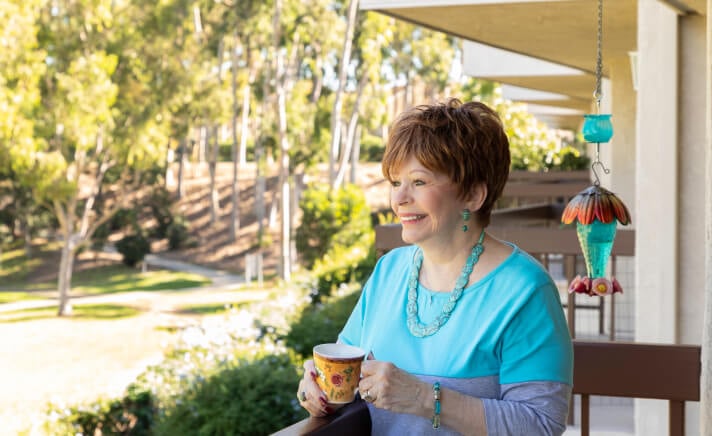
(466, 332)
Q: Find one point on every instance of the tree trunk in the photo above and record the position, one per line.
(26, 236)
(180, 188)
(64, 282)
(170, 158)
(355, 154)
(235, 214)
(338, 94)
(202, 143)
(317, 76)
(245, 120)
(259, 193)
(212, 166)
(350, 132)
(280, 75)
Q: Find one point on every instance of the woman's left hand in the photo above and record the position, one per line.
(389, 387)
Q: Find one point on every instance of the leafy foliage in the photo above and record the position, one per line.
(331, 218)
(342, 265)
(131, 415)
(253, 397)
(177, 233)
(321, 323)
(133, 248)
(335, 238)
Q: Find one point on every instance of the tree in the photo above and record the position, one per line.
(104, 94)
(21, 67)
(344, 62)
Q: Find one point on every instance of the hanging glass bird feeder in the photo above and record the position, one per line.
(596, 210)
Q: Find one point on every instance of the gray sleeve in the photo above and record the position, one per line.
(532, 408)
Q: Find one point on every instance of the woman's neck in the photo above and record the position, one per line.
(442, 266)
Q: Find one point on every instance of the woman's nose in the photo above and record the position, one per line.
(400, 195)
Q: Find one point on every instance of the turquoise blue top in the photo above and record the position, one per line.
(508, 324)
(506, 343)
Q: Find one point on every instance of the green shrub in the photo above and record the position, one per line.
(133, 248)
(372, 148)
(256, 397)
(331, 217)
(100, 236)
(177, 233)
(321, 323)
(131, 415)
(122, 219)
(160, 202)
(341, 265)
(568, 158)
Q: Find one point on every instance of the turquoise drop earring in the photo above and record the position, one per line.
(465, 218)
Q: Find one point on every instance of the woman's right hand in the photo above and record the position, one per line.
(310, 395)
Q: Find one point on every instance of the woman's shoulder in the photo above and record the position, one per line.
(521, 266)
(395, 259)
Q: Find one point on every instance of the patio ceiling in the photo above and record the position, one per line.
(557, 31)
(560, 31)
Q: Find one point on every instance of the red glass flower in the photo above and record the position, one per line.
(595, 202)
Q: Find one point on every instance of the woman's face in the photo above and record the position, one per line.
(426, 203)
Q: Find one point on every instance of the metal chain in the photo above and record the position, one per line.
(598, 94)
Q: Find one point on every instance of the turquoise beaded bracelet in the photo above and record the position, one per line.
(436, 412)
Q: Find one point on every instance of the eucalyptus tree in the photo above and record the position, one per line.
(372, 37)
(21, 67)
(112, 89)
(417, 52)
(294, 45)
(343, 62)
(241, 25)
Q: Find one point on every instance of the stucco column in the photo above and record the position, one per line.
(656, 174)
(692, 146)
(706, 383)
(620, 153)
(656, 250)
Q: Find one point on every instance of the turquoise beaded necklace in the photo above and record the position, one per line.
(414, 325)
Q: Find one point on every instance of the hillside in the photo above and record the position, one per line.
(214, 248)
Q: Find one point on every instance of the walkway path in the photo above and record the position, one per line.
(219, 278)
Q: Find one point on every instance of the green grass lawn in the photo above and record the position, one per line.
(16, 268)
(10, 296)
(117, 278)
(86, 312)
(120, 278)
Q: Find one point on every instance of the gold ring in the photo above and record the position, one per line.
(302, 396)
(368, 397)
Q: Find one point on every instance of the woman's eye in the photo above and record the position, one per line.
(418, 182)
(395, 183)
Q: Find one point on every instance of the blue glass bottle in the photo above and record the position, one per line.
(597, 127)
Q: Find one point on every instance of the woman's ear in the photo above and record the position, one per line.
(477, 197)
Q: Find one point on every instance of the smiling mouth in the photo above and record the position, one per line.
(411, 218)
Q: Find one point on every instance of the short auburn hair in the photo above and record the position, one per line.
(465, 141)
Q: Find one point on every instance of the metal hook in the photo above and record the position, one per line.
(599, 163)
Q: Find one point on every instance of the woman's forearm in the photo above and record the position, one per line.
(537, 408)
(458, 412)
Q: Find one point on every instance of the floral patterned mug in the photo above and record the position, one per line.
(338, 369)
